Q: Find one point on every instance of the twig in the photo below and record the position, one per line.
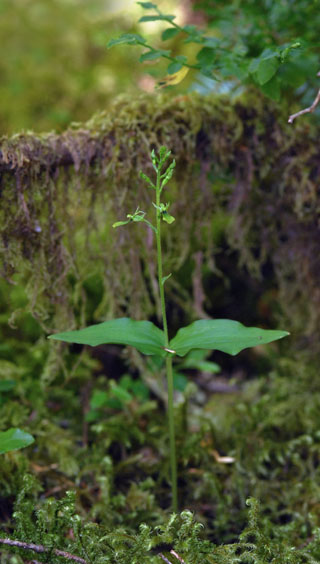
(308, 110)
(177, 556)
(164, 558)
(40, 549)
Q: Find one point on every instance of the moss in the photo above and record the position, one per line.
(56, 527)
(61, 193)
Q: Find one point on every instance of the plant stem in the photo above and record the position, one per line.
(173, 461)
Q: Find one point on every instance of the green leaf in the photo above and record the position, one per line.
(92, 416)
(120, 223)
(147, 5)
(221, 334)
(99, 399)
(272, 89)
(293, 73)
(212, 42)
(7, 385)
(195, 34)
(143, 335)
(196, 359)
(160, 17)
(267, 69)
(138, 217)
(206, 56)
(169, 33)
(140, 390)
(229, 65)
(14, 439)
(203, 366)
(265, 66)
(147, 179)
(180, 381)
(181, 58)
(153, 55)
(121, 394)
(208, 71)
(190, 28)
(127, 39)
(254, 65)
(174, 67)
(137, 387)
(167, 175)
(165, 278)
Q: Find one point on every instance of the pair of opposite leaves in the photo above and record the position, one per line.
(221, 334)
(224, 335)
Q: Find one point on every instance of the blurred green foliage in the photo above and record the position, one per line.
(54, 65)
(266, 44)
(252, 29)
(56, 68)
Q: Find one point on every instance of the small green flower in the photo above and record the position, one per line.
(163, 212)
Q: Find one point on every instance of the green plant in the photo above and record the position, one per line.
(117, 396)
(217, 334)
(12, 439)
(235, 47)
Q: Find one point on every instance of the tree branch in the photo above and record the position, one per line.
(174, 553)
(164, 558)
(177, 556)
(308, 110)
(42, 549)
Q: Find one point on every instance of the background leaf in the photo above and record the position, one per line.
(127, 39)
(147, 5)
(196, 359)
(206, 56)
(7, 385)
(14, 439)
(265, 66)
(161, 17)
(221, 334)
(267, 69)
(143, 335)
(120, 223)
(272, 89)
(174, 67)
(169, 33)
(153, 55)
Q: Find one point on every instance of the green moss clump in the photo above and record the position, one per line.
(61, 193)
(58, 529)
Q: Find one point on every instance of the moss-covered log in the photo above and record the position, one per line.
(61, 193)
